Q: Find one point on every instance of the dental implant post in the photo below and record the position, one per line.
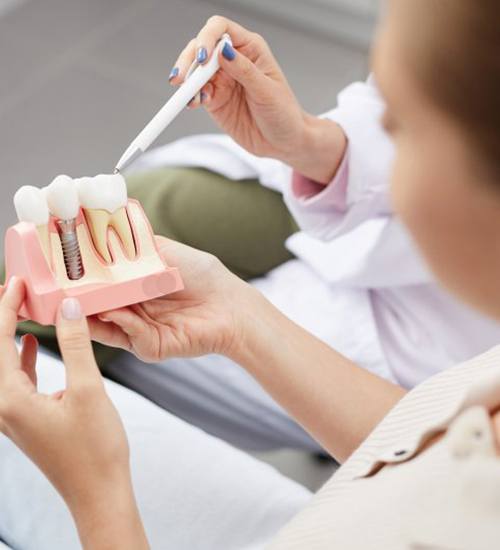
(62, 199)
(71, 249)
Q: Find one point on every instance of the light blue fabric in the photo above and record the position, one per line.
(216, 395)
(194, 492)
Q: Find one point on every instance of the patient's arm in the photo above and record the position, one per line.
(336, 401)
(108, 518)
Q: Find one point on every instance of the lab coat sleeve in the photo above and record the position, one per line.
(359, 191)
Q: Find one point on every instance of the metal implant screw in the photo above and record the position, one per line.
(71, 249)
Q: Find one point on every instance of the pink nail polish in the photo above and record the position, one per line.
(71, 309)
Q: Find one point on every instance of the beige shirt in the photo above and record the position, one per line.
(392, 494)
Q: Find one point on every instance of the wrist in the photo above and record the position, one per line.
(256, 324)
(106, 516)
(320, 150)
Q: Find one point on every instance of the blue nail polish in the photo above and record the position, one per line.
(228, 52)
(202, 55)
(173, 73)
(203, 96)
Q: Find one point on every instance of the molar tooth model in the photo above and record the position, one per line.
(84, 238)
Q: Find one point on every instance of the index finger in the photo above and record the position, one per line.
(213, 30)
(10, 303)
(206, 40)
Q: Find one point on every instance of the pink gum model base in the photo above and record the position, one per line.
(25, 259)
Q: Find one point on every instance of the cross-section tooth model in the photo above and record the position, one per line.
(84, 238)
(104, 201)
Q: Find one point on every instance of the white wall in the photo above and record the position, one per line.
(8, 5)
(351, 21)
(361, 6)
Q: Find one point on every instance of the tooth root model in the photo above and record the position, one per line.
(104, 201)
(62, 200)
(31, 206)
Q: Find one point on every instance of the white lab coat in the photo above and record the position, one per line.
(358, 282)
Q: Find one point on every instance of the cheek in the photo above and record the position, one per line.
(455, 224)
(414, 196)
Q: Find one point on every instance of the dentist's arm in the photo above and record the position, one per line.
(251, 100)
(75, 437)
(336, 401)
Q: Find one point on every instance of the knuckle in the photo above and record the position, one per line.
(259, 43)
(256, 37)
(88, 392)
(8, 411)
(215, 20)
(76, 340)
(211, 262)
(247, 69)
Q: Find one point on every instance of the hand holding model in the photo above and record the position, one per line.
(74, 436)
(250, 99)
(205, 317)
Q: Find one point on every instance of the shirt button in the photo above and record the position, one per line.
(470, 434)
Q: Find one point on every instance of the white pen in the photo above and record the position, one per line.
(193, 83)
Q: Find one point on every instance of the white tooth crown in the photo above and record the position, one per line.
(104, 200)
(31, 206)
(104, 192)
(62, 198)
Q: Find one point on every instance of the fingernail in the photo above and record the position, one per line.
(203, 96)
(228, 52)
(12, 282)
(71, 309)
(202, 55)
(173, 73)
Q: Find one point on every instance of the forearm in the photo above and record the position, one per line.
(108, 518)
(321, 149)
(337, 402)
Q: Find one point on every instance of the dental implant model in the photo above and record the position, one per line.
(84, 238)
(62, 200)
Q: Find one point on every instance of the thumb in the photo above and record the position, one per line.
(239, 67)
(76, 349)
